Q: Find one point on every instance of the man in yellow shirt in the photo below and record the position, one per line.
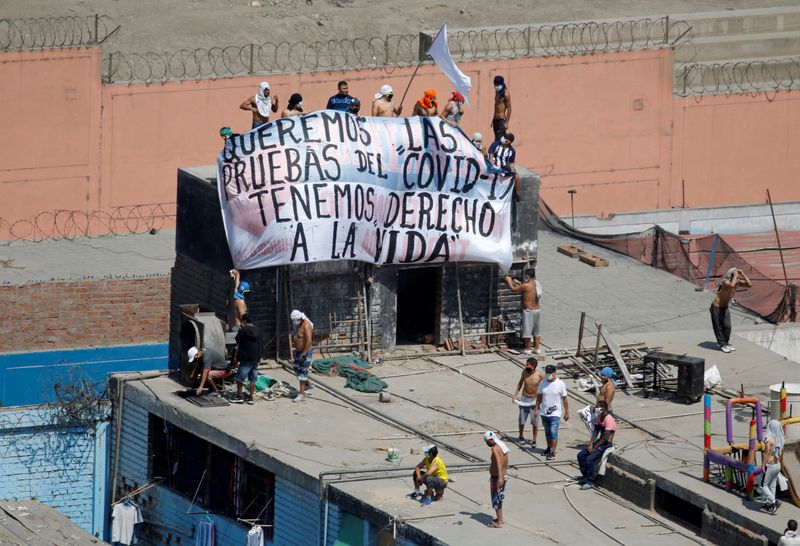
(433, 473)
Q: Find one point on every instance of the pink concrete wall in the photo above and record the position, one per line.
(606, 125)
(731, 149)
(50, 111)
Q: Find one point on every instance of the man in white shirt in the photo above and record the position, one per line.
(790, 536)
(551, 404)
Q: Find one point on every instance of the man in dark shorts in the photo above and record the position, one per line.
(497, 475)
(502, 108)
(720, 315)
(303, 334)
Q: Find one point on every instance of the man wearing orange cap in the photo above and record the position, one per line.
(453, 110)
(426, 106)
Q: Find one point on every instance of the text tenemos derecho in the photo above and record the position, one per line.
(331, 185)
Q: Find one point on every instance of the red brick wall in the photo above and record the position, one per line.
(84, 313)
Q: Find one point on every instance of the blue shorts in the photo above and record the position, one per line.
(550, 425)
(301, 366)
(248, 371)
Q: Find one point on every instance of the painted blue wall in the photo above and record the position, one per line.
(63, 467)
(28, 378)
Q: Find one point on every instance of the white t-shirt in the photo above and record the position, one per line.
(552, 392)
(124, 517)
(789, 539)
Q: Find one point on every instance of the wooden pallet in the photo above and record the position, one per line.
(570, 250)
(594, 261)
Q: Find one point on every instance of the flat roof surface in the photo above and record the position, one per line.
(136, 255)
(28, 522)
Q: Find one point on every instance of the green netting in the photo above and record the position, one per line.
(352, 368)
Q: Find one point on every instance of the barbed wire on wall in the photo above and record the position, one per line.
(580, 38)
(71, 224)
(55, 32)
(738, 77)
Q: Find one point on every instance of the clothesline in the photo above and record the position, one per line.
(139, 490)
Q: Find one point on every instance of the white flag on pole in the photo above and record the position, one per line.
(440, 53)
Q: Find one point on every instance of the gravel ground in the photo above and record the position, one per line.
(160, 25)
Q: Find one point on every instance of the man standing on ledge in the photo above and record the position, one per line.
(342, 100)
(531, 291)
(304, 331)
(720, 315)
(497, 475)
(261, 105)
(382, 106)
(502, 108)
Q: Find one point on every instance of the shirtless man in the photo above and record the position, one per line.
(303, 334)
(607, 389)
(295, 106)
(382, 106)
(529, 384)
(261, 105)
(427, 106)
(720, 316)
(531, 291)
(240, 288)
(497, 475)
(502, 108)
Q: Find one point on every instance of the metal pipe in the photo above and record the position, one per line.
(778, 237)
(460, 316)
(118, 429)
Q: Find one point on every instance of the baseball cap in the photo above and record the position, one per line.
(226, 131)
(550, 369)
(477, 136)
(244, 287)
(427, 448)
(386, 89)
(488, 435)
(607, 372)
(192, 353)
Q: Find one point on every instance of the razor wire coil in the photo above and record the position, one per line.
(580, 38)
(738, 77)
(55, 32)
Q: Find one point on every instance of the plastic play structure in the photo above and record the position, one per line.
(737, 462)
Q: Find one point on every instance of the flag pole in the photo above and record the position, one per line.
(420, 64)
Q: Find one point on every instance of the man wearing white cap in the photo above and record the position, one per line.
(433, 473)
(261, 105)
(382, 103)
(303, 334)
(497, 475)
(477, 141)
(720, 315)
(214, 366)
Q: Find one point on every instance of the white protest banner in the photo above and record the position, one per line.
(334, 186)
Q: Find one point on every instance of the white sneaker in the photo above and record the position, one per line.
(731, 347)
(725, 349)
(299, 398)
(537, 351)
(527, 352)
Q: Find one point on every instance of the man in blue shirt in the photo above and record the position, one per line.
(342, 100)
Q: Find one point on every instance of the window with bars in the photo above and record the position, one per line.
(216, 479)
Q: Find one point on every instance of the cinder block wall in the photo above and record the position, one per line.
(84, 313)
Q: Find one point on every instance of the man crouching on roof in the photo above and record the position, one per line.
(304, 331)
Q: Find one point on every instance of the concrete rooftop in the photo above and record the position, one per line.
(88, 257)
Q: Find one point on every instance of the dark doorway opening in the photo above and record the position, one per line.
(417, 291)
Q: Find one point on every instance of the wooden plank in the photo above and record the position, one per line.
(614, 348)
(594, 261)
(570, 250)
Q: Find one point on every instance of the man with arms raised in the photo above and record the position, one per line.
(261, 105)
(304, 331)
(529, 384)
(531, 291)
(720, 315)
